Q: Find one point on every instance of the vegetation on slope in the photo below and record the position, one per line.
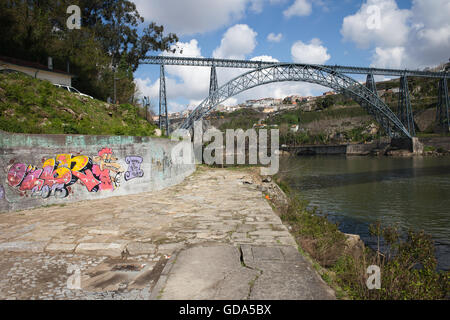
(110, 43)
(239, 119)
(29, 105)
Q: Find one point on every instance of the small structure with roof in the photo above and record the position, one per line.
(36, 70)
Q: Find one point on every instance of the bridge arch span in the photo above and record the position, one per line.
(321, 75)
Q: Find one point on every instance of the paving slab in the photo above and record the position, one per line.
(218, 272)
(103, 249)
(207, 272)
(211, 206)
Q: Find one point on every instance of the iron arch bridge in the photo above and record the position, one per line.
(307, 73)
(332, 76)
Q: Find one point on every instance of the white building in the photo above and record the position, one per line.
(37, 70)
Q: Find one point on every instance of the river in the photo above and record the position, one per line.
(357, 191)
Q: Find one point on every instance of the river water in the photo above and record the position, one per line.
(357, 191)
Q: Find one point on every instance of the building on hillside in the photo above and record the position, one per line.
(174, 115)
(262, 103)
(329, 93)
(293, 99)
(36, 70)
(270, 109)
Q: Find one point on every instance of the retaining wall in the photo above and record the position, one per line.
(437, 142)
(37, 170)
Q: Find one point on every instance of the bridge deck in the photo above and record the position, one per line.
(249, 64)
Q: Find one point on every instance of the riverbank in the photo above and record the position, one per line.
(408, 266)
(435, 146)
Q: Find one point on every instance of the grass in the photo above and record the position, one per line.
(34, 106)
(408, 264)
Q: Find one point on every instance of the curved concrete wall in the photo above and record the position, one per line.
(37, 170)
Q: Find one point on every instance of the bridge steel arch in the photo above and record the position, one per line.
(321, 75)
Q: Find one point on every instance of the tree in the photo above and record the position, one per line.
(108, 41)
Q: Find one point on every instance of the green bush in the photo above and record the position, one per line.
(408, 263)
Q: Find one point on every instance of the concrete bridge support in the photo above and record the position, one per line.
(413, 145)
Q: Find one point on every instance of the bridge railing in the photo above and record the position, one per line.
(250, 64)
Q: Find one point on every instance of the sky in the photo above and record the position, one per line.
(411, 34)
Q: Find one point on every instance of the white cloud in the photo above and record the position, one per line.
(147, 88)
(265, 59)
(257, 6)
(404, 38)
(193, 16)
(272, 37)
(378, 22)
(198, 16)
(237, 42)
(299, 8)
(389, 57)
(314, 52)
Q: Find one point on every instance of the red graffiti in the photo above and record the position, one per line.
(32, 179)
(16, 174)
(103, 175)
(87, 178)
(57, 174)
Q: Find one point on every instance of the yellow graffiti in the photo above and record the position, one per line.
(49, 163)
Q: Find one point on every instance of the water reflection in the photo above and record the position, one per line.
(337, 180)
(356, 191)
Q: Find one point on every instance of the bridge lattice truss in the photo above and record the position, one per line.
(329, 76)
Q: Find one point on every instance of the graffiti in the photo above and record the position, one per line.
(101, 172)
(167, 164)
(105, 164)
(134, 168)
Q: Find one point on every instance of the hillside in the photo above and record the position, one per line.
(239, 119)
(29, 105)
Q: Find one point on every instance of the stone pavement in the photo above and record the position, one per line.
(117, 248)
(224, 272)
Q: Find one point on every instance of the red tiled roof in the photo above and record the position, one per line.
(30, 64)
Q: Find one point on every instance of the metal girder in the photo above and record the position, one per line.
(163, 113)
(307, 73)
(405, 113)
(442, 115)
(246, 64)
(213, 84)
(371, 84)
